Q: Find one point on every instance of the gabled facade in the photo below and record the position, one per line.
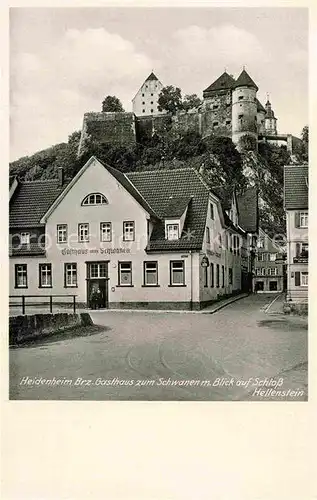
(268, 265)
(144, 102)
(156, 239)
(296, 207)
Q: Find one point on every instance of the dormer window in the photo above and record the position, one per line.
(95, 199)
(172, 231)
(25, 238)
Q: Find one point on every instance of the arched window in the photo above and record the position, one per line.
(95, 199)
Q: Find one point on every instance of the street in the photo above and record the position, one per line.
(239, 353)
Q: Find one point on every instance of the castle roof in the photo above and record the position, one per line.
(244, 80)
(151, 77)
(224, 82)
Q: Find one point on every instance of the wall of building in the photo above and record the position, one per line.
(295, 235)
(145, 101)
(216, 114)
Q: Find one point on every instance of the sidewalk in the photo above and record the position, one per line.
(276, 304)
(222, 303)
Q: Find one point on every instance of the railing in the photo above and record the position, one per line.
(23, 303)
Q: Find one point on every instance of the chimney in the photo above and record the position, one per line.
(60, 177)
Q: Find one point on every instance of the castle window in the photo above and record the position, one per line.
(215, 106)
(151, 94)
(240, 117)
(143, 103)
(151, 102)
(240, 97)
(215, 124)
(228, 122)
(151, 110)
(95, 199)
(142, 95)
(143, 110)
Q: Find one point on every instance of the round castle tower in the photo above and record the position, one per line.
(244, 109)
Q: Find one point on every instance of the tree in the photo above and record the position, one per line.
(170, 99)
(112, 104)
(191, 101)
(305, 134)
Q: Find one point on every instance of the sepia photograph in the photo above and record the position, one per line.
(158, 204)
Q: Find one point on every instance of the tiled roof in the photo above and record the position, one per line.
(295, 187)
(157, 186)
(224, 82)
(31, 200)
(248, 210)
(151, 77)
(23, 250)
(244, 80)
(126, 183)
(11, 180)
(176, 206)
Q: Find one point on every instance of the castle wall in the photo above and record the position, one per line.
(216, 116)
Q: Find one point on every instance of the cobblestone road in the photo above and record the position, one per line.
(238, 353)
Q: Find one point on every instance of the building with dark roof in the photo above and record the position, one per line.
(269, 269)
(144, 103)
(296, 182)
(152, 239)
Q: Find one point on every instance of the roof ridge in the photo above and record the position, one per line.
(181, 169)
(37, 181)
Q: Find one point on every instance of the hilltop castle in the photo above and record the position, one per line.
(230, 108)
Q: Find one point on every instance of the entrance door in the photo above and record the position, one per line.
(259, 286)
(273, 286)
(97, 285)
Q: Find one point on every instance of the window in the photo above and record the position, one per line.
(143, 103)
(83, 232)
(217, 276)
(152, 95)
(150, 274)
(273, 286)
(230, 276)
(215, 106)
(45, 276)
(258, 272)
(304, 279)
(207, 235)
(272, 257)
(212, 278)
(98, 270)
(172, 231)
(240, 117)
(220, 240)
(142, 95)
(125, 274)
(25, 238)
(105, 231)
(272, 271)
(70, 275)
(151, 110)
(95, 199)
(260, 244)
(128, 231)
(61, 233)
(223, 276)
(177, 273)
(211, 211)
(303, 219)
(228, 122)
(205, 271)
(215, 124)
(143, 110)
(240, 97)
(21, 276)
(263, 271)
(304, 250)
(260, 257)
(152, 101)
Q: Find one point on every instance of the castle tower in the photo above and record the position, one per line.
(244, 109)
(270, 120)
(145, 101)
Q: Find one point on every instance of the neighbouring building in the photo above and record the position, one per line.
(145, 101)
(296, 207)
(268, 265)
(151, 239)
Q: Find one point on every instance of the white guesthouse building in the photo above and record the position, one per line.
(151, 239)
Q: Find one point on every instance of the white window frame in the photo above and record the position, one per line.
(177, 266)
(150, 268)
(61, 233)
(105, 231)
(25, 238)
(303, 219)
(83, 232)
(172, 231)
(95, 199)
(304, 278)
(124, 267)
(70, 271)
(272, 257)
(98, 266)
(21, 271)
(45, 272)
(128, 230)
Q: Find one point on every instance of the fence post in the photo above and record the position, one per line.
(74, 303)
(51, 303)
(23, 304)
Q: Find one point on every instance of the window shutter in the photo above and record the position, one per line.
(297, 278)
(296, 219)
(297, 249)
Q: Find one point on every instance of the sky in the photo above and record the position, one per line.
(64, 61)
